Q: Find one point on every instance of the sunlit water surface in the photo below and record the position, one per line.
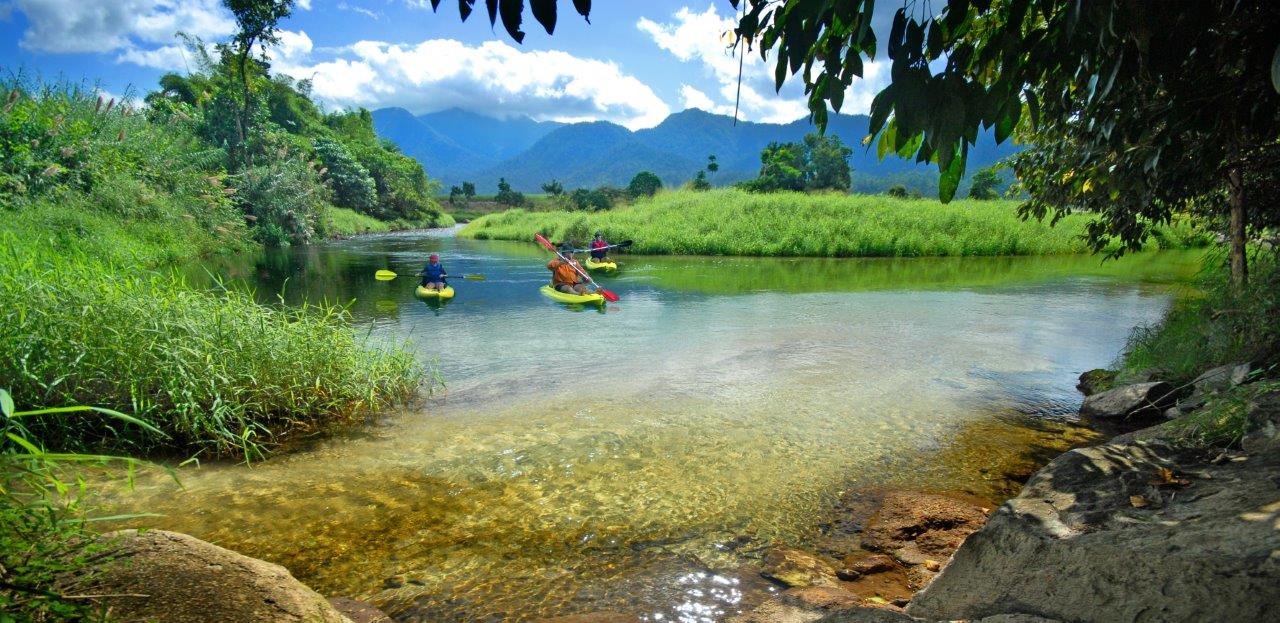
(635, 459)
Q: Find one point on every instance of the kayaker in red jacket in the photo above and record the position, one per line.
(599, 248)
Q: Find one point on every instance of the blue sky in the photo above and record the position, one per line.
(635, 63)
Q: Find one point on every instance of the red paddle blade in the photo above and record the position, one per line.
(546, 243)
(608, 296)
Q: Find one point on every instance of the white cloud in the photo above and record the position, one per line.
(492, 78)
(344, 6)
(705, 38)
(691, 97)
(305, 5)
(66, 26)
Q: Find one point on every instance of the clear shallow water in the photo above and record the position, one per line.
(634, 459)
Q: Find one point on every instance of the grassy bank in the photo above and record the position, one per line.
(733, 222)
(1214, 325)
(341, 222)
(95, 201)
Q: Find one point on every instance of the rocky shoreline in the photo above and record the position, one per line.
(1144, 527)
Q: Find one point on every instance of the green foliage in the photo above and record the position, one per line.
(816, 163)
(590, 200)
(1224, 419)
(826, 162)
(555, 188)
(712, 165)
(352, 187)
(644, 184)
(1216, 326)
(217, 372)
(286, 199)
(733, 222)
(984, 184)
(507, 196)
(344, 222)
(700, 182)
(898, 191)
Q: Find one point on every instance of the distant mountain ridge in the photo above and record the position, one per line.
(457, 145)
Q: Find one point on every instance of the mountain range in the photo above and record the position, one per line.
(456, 145)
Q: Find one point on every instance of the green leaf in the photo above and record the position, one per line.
(584, 9)
(79, 409)
(1275, 70)
(949, 181)
(6, 403)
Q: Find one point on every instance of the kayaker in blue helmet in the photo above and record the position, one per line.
(433, 275)
(599, 248)
(563, 276)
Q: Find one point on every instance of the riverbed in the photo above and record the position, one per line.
(638, 457)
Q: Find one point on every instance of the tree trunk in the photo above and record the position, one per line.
(1236, 233)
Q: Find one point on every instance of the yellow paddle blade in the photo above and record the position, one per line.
(384, 275)
(474, 277)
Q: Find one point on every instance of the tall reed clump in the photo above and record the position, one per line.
(735, 222)
(218, 373)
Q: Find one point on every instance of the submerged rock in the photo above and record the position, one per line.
(1124, 532)
(1142, 398)
(166, 577)
(792, 567)
(593, 617)
(876, 563)
(916, 527)
(359, 611)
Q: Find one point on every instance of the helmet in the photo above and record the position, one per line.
(566, 247)
(434, 257)
(599, 234)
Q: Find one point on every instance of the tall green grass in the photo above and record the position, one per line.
(734, 222)
(217, 372)
(1215, 325)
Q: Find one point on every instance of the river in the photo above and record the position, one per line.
(638, 457)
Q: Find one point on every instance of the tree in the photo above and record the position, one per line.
(700, 181)
(594, 200)
(712, 165)
(257, 23)
(984, 184)
(826, 161)
(645, 184)
(468, 190)
(351, 184)
(553, 188)
(456, 197)
(898, 190)
(506, 195)
(781, 167)
(1135, 111)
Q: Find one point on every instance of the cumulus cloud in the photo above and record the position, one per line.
(704, 38)
(126, 26)
(493, 78)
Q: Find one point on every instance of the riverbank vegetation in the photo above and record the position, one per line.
(736, 222)
(1218, 324)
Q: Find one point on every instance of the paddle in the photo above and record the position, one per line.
(621, 245)
(608, 296)
(387, 275)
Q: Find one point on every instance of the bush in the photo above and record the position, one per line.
(506, 195)
(352, 187)
(285, 198)
(644, 184)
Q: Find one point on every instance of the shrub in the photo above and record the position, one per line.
(352, 187)
(644, 184)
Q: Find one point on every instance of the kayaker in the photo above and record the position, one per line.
(563, 276)
(433, 275)
(599, 248)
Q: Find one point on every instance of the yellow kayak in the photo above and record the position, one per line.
(427, 293)
(607, 265)
(563, 297)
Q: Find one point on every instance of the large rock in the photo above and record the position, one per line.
(166, 577)
(919, 527)
(1222, 378)
(1139, 399)
(1124, 532)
